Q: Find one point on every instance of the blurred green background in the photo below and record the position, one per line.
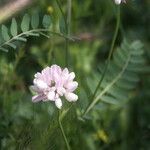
(28, 126)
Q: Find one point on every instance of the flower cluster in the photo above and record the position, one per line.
(119, 1)
(53, 83)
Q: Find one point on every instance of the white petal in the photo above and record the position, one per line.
(56, 96)
(71, 76)
(40, 84)
(71, 97)
(71, 86)
(61, 91)
(37, 75)
(117, 2)
(65, 71)
(58, 103)
(51, 95)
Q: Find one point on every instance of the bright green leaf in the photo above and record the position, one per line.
(25, 23)
(13, 27)
(46, 21)
(21, 39)
(35, 20)
(12, 45)
(5, 35)
(4, 49)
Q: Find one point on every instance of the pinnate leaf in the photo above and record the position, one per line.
(25, 23)
(13, 27)
(5, 34)
(35, 20)
(46, 21)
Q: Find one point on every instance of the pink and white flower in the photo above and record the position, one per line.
(53, 83)
(119, 1)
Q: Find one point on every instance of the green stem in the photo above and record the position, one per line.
(66, 30)
(69, 5)
(107, 63)
(62, 13)
(68, 20)
(62, 131)
(35, 31)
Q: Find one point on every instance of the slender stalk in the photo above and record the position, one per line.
(66, 30)
(62, 131)
(35, 31)
(62, 13)
(67, 21)
(107, 63)
(69, 4)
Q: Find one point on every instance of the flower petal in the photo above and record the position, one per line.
(71, 97)
(51, 95)
(65, 72)
(71, 76)
(46, 75)
(61, 91)
(71, 86)
(38, 98)
(58, 103)
(40, 84)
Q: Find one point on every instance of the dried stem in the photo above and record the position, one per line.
(12, 8)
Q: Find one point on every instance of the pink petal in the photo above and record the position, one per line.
(71, 86)
(55, 72)
(38, 98)
(56, 69)
(65, 72)
(71, 76)
(46, 75)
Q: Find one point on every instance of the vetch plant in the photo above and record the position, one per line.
(30, 27)
(53, 83)
(51, 120)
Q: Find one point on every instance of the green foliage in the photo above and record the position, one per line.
(46, 21)
(123, 73)
(13, 27)
(34, 30)
(25, 23)
(5, 35)
(62, 25)
(35, 20)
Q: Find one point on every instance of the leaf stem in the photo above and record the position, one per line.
(69, 5)
(66, 30)
(37, 31)
(93, 102)
(68, 20)
(62, 131)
